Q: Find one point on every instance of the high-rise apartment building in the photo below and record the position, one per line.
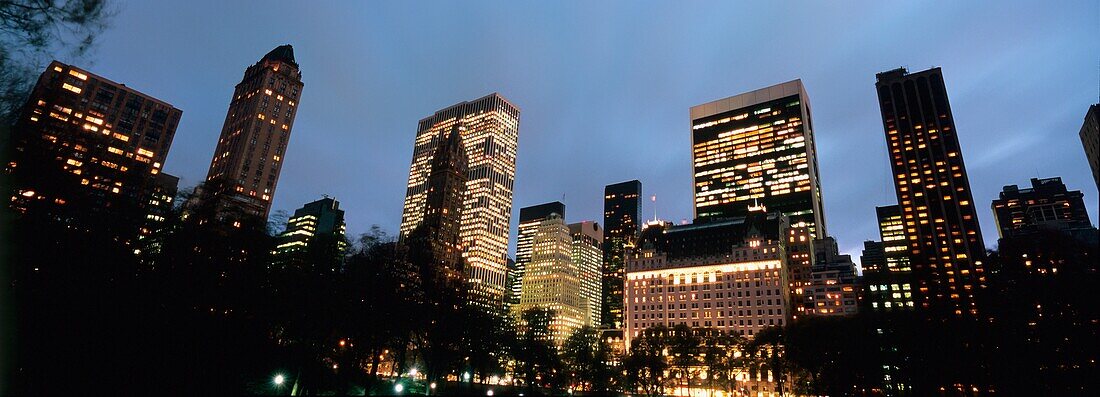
(757, 148)
(933, 192)
(620, 220)
(88, 149)
(529, 220)
(252, 146)
(1090, 139)
(1046, 205)
(553, 281)
(490, 139)
(588, 257)
(319, 218)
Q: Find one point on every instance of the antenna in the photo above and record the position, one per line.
(654, 199)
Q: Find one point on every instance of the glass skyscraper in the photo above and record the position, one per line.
(757, 148)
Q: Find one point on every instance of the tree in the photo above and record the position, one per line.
(587, 356)
(646, 364)
(31, 30)
(684, 346)
(723, 359)
(537, 359)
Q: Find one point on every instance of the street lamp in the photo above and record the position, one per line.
(489, 393)
(398, 388)
(466, 376)
(412, 372)
(279, 380)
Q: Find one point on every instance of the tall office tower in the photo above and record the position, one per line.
(490, 138)
(1047, 205)
(588, 257)
(933, 191)
(725, 275)
(319, 218)
(553, 280)
(1090, 138)
(529, 220)
(757, 148)
(250, 151)
(620, 222)
(87, 151)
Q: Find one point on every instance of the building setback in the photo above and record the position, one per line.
(833, 289)
(88, 149)
(725, 275)
(620, 220)
(588, 257)
(1090, 139)
(529, 220)
(249, 157)
(490, 139)
(933, 192)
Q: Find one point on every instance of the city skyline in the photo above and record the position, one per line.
(855, 177)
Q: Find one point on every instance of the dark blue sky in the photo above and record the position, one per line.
(605, 89)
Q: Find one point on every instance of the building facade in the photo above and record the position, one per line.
(529, 220)
(490, 138)
(621, 202)
(939, 218)
(1090, 139)
(588, 257)
(833, 289)
(757, 148)
(88, 149)
(1046, 205)
(553, 281)
(251, 149)
(321, 217)
(725, 275)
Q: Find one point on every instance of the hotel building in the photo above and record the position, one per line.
(252, 146)
(490, 139)
(725, 275)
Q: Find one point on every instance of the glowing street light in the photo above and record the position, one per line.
(412, 372)
(398, 388)
(466, 376)
(432, 385)
(279, 380)
(489, 393)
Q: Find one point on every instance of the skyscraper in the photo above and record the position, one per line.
(553, 280)
(933, 191)
(443, 206)
(620, 220)
(319, 218)
(490, 139)
(249, 156)
(529, 220)
(1090, 138)
(88, 150)
(757, 148)
(588, 257)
